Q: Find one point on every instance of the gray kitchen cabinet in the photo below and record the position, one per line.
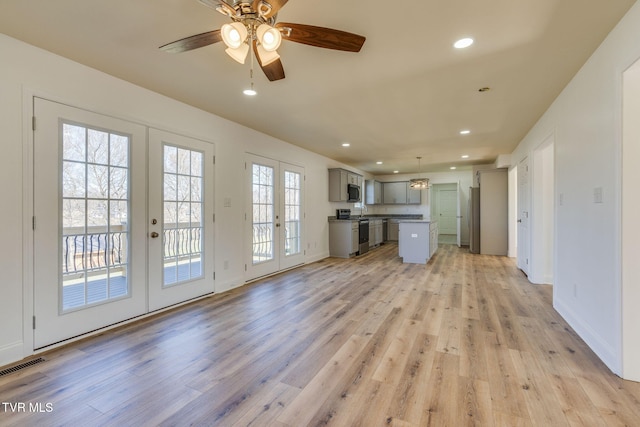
(343, 238)
(416, 241)
(414, 197)
(394, 193)
(379, 239)
(400, 193)
(393, 229)
(338, 180)
(373, 192)
(352, 178)
(433, 238)
(338, 185)
(375, 232)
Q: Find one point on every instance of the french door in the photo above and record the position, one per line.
(275, 216)
(89, 215)
(180, 218)
(112, 242)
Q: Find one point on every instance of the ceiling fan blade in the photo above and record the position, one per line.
(274, 71)
(193, 42)
(270, 6)
(327, 38)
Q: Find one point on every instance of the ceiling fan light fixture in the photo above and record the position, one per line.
(267, 57)
(239, 54)
(234, 34)
(269, 37)
(264, 8)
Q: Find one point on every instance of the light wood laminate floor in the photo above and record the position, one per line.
(463, 340)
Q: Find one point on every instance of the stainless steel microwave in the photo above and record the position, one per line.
(353, 193)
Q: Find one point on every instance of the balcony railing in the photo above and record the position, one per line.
(100, 248)
(96, 250)
(182, 241)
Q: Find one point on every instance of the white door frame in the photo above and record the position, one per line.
(523, 217)
(542, 198)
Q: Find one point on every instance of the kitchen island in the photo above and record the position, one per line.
(417, 240)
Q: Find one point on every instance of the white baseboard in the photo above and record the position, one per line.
(228, 284)
(600, 347)
(317, 257)
(11, 353)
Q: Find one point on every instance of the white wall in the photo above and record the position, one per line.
(27, 70)
(586, 122)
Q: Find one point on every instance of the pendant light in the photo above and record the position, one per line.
(419, 183)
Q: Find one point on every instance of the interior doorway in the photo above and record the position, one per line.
(542, 246)
(444, 209)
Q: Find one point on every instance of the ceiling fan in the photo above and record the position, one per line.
(254, 24)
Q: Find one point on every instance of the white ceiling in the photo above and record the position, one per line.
(408, 92)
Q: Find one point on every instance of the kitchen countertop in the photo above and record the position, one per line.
(382, 216)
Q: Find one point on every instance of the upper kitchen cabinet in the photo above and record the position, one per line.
(400, 193)
(339, 182)
(394, 193)
(414, 196)
(373, 192)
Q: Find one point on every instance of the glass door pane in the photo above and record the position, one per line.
(292, 210)
(182, 226)
(263, 213)
(94, 208)
(291, 206)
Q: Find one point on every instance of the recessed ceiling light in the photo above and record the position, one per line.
(396, 171)
(452, 168)
(465, 156)
(378, 163)
(462, 43)
(465, 132)
(346, 144)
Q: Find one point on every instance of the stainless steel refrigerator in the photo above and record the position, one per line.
(474, 220)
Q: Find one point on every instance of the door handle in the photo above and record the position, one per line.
(519, 220)
(154, 235)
